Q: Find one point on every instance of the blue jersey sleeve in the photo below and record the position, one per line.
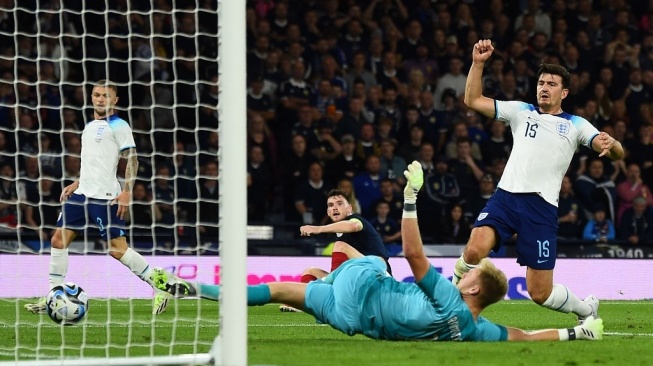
(438, 289)
(486, 331)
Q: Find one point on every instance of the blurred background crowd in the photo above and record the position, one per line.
(341, 94)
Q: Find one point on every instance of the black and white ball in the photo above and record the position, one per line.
(67, 304)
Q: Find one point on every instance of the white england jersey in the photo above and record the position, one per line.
(102, 142)
(543, 147)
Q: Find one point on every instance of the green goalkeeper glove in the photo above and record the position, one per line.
(414, 180)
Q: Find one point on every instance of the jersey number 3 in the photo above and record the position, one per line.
(531, 130)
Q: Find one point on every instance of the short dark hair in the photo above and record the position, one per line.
(337, 192)
(555, 70)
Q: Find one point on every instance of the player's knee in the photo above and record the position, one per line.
(539, 296)
(340, 246)
(481, 241)
(309, 271)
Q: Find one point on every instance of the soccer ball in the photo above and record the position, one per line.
(67, 304)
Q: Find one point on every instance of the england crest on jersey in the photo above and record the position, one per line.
(563, 128)
(99, 133)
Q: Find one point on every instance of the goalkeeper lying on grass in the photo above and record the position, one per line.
(360, 298)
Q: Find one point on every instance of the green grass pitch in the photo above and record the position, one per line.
(295, 339)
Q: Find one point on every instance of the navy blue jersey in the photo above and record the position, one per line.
(367, 241)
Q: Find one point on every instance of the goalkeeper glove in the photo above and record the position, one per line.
(414, 180)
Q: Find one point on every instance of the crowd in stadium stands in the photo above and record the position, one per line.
(340, 94)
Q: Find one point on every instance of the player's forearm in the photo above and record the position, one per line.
(474, 85)
(411, 240)
(340, 227)
(130, 172)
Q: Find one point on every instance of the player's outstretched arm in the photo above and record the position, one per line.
(411, 239)
(345, 226)
(474, 98)
(591, 329)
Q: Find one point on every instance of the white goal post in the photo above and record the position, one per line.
(56, 56)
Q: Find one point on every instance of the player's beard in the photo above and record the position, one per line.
(102, 113)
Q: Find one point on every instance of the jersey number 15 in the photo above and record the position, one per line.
(531, 130)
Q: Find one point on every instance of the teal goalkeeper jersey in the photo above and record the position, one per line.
(432, 309)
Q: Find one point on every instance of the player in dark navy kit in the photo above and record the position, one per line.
(349, 229)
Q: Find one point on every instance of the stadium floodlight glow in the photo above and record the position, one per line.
(163, 61)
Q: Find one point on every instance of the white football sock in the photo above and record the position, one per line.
(564, 301)
(58, 266)
(460, 269)
(137, 264)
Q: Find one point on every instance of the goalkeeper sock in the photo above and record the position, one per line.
(564, 301)
(209, 292)
(58, 266)
(137, 264)
(460, 269)
(258, 295)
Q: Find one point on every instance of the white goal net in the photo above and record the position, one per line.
(162, 55)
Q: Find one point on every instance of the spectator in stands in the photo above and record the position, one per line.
(570, 212)
(387, 227)
(442, 190)
(8, 197)
(367, 185)
(460, 130)
(389, 76)
(389, 195)
(324, 102)
(392, 166)
(347, 164)
(294, 93)
(259, 179)
(351, 122)
(389, 108)
(310, 196)
(358, 71)
(305, 126)
(72, 164)
(49, 158)
(454, 79)
(41, 207)
(144, 214)
(637, 224)
(208, 219)
(258, 101)
(468, 171)
(367, 144)
(258, 134)
(29, 176)
(631, 188)
(599, 229)
(594, 188)
(346, 186)
(327, 148)
(164, 198)
(640, 152)
(294, 171)
(497, 146)
(456, 228)
(409, 150)
(474, 204)
(5, 151)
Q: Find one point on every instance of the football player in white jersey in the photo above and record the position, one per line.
(525, 202)
(96, 198)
